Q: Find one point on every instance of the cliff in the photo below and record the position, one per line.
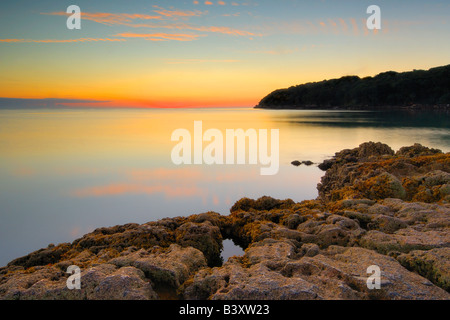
(415, 89)
(375, 207)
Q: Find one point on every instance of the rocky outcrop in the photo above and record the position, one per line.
(376, 207)
(417, 89)
(373, 171)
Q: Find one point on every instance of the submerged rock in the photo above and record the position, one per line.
(299, 163)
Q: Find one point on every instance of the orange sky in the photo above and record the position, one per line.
(208, 53)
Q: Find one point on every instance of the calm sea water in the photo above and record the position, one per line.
(64, 173)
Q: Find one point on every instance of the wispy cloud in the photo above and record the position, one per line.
(125, 18)
(355, 28)
(60, 40)
(109, 18)
(178, 13)
(209, 29)
(166, 19)
(160, 36)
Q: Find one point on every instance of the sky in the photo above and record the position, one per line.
(197, 53)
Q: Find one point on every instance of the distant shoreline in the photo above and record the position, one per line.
(417, 89)
(444, 107)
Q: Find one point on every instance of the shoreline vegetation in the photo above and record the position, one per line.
(413, 90)
(375, 207)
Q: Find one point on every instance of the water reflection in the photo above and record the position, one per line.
(438, 119)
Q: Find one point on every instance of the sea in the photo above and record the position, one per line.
(66, 172)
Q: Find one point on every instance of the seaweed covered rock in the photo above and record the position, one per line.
(416, 150)
(167, 268)
(373, 171)
(203, 236)
(263, 203)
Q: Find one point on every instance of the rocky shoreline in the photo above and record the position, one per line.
(375, 207)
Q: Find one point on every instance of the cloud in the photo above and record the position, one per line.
(160, 36)
(178, 13)
(109, 18)
(129, 20)
(124, 18)
(60, 40)
(237, 14)
(226, 30)
(343, 25)
(209, 29)
(354, 26)
(18, 103)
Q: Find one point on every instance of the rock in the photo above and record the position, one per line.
(270, 251)
(309, 250)
(335, 230)
(305, 162)
(204, 236)
(369, 149)
(379, 209)
(293, 220)
(348, 203)
(169, 268)
(258, 282)
(416, 150)
(127, 283)
(263, 203)
(387, 224)
(397, 283)
(41, 257)
(337, 273)
(363, 218)
(382, 186)
(326, 164)
(405, 240)
(433, 265)
(103, 282)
